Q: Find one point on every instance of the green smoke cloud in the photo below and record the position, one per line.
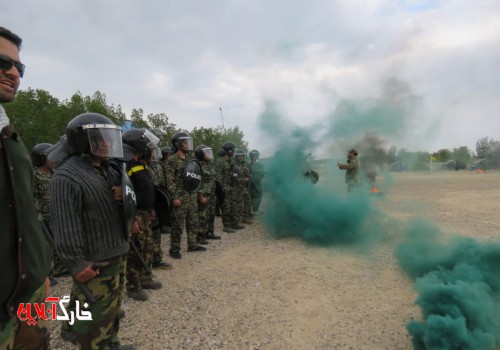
(298, 208)
(458, 281)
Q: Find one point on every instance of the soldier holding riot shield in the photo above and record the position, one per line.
(184, 202)
(138, 146)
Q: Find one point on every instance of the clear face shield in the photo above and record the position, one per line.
(208, 154)
(155, 154)
(105, 140)
(239, 156)
(186, 143)
(151, 137)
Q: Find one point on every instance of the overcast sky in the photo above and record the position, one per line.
(188, 58)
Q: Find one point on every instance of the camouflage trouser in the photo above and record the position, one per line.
(255, 195)
(58, 267)
(15, 334)
(107, 289)
(238, 205)
(144, 242)
(187, 216)
(226, 207)
(157, 251)
(247, 204)
(206, 215)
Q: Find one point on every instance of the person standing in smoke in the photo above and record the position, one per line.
(256, 176)
(185, 204)
(352, 170)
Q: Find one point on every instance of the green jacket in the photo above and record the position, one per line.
(24, 255)
(352, 173)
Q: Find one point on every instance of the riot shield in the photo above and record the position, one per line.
(191, 176)
(220, 194)
(129, 202)
(163, 205)
(312, 175)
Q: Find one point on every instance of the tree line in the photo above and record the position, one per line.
(40, 117)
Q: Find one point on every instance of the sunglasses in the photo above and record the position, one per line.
(6, 63)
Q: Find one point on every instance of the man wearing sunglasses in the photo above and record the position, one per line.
(24, 253)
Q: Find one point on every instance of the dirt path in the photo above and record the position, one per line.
(251, 292)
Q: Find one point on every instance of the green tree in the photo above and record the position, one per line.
(443, 155)
(159, 125)
(484, 147)
(36, 115)
(461, 154)
(215, 137)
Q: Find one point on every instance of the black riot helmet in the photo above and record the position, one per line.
(254, 154)
(166, 152)
(229, 147)
(135, 141)
(94, 134)
(139, 141)
(237, 153)
(204, 153)
(39, 154)
(182, 141)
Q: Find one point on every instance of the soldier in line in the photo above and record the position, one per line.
(225, 173)
(241, 179)
(88, 227)
(352, 170)
(157, 174)
(185, 206)
(206, 194)
(24, 254)
(256, 176)
(43, 171)
(138, 146)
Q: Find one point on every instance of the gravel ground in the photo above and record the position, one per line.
(248, 291)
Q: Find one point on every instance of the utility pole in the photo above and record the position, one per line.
(222, 117)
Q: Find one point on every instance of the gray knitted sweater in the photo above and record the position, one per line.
(86, 219)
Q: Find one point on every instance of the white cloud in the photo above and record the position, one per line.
(188, 59)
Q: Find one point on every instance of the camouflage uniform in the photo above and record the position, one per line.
(241, 178)
(26, 336)
(206, 212)
(225, 176)
(257, 173)
(144, 242)
(107, 289)
(143, 239)
(351, 174)
(157, 174)
(41, 194)
(187, 213)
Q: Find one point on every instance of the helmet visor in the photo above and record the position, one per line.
(105, 140)
(208, 155)
(151, 137)
(186, 143)
(155, 154)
